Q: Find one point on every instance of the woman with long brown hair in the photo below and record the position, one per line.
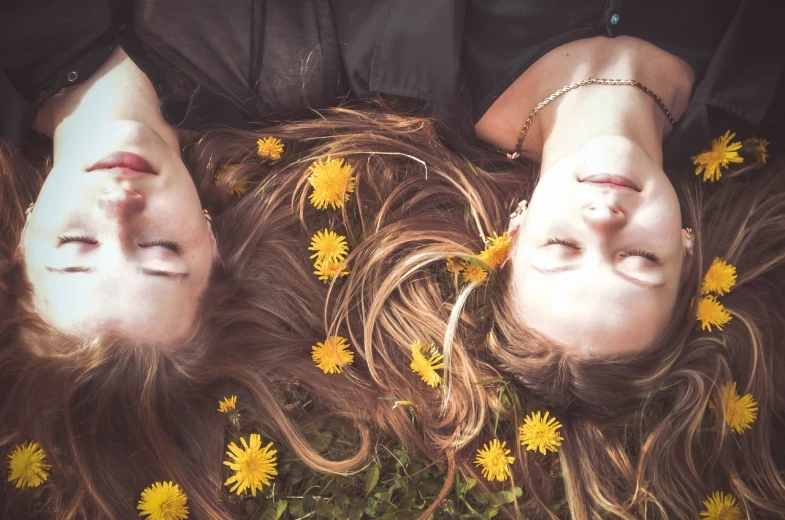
(593, 313)
(651, 427)
(114, 415)
(124, 320)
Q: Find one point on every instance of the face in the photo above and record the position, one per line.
(599, 253)
(118, 240)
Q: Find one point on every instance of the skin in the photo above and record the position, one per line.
(597, 267)
(90, 244)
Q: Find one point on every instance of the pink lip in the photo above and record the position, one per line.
(611, 180)
(125, 162)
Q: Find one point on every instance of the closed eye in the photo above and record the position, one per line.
(651, 257)
(562, 242)
(173, 246)
(76, 238)
(645, 254)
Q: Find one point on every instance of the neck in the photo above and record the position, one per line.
(591, 110)
(117, 91)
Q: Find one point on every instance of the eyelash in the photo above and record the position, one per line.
(645, 254)
(635, 252)
(562, 242)
(65, 239)
(174, 246)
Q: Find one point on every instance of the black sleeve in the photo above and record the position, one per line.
(405, 49)
(270, 56)
(13, 113)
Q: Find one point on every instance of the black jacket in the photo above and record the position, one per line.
(211, 63)
(454, 57)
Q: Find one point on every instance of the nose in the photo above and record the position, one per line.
(603, 217)
(121, 204)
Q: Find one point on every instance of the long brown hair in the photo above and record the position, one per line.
(114, 417)
(640, 439)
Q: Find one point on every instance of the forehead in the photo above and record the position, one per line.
(592, 311)
(140, 307)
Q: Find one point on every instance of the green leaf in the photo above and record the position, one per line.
(251, 508)
(327, 510)
(466, 485)
(479, 263)
(275, 510)
(505, 497)
(280, 508)
(308, 502)
(402, 457)
(355, 514)
(371, 479)
(296, 507)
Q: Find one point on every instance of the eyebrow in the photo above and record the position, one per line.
(140, 270)
(636, 281)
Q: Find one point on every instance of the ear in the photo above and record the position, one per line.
(689, 250)
(19, 251)
(213, 242)
(516, 220)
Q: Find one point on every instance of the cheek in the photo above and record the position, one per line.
(662, 221)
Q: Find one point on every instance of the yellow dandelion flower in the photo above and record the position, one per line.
(712, 313)
(163, 501)
(27, 466)
(720, 506)
(237, 186)
(228, 404)
(494, 459)
(327, 270)
(253, 466)
(474, 273)
(740, 411)
(540, 433)
(758, 147)
(426, 367)
(333, 354)
(455, 265)
(270, 147)
(332, 182)
(722, 153)
(328, 246)
(720, 278)
(497, 249)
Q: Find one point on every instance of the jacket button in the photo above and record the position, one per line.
(615, 18)
(73, 76)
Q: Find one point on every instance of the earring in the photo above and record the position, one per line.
(29, 209)
(522, 205)
(690, 235)
(207, 215)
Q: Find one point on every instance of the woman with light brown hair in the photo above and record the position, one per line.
(592, 315)
(113, 415)
(128, 310)
(654, 421)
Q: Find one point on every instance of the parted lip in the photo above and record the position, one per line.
(124, 160)
(611, 181)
